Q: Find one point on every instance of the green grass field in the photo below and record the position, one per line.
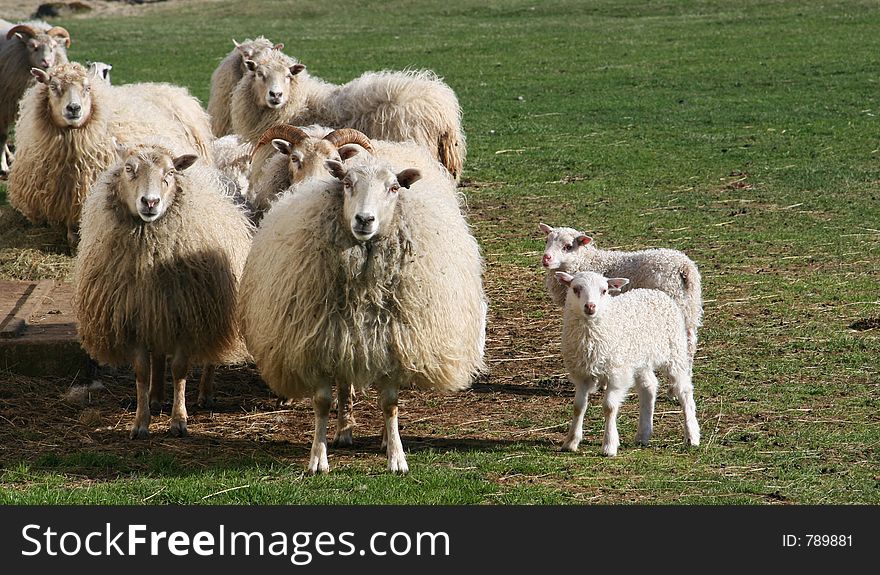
(744, 133)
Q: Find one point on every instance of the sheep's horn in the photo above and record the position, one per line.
(22, 28)
(286, 132)
(345, 136)
(59, 32)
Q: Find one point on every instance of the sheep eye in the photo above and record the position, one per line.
(394, 188)
(569, 247)
(604, 291)
(128, 169)
(577, 291)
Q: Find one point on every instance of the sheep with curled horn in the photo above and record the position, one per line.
(23, 46)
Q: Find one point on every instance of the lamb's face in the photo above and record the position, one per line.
(562, 245)
(589, 292)
(270, 80)
(148, 180)
(69, 91)
(306, 158)
(370, 195)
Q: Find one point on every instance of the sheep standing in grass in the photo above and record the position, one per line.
(157, 272)
(22, 47)
(226, 76)
(397, 106)
(372, 279)
(621, 341)
(568, 250)
(68, 130)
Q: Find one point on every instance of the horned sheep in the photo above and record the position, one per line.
(372, 279)
(569, 250)
(157, 272)
(226, 76)
(68, 131)
(621, 341)
(23, 46)
(397, 106)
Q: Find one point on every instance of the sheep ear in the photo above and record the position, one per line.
(282, 146)
(583, 239)
(617, 283)
(408, 177)
(545, 228)
(297, 68)
(564, 278)
(250, 65)
(40, 75)
(279, 46)
(183, 162)
(349, 150)
(336, 169)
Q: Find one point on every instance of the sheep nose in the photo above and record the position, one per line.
(150, 202)
(45, 64)
(590, 308)
(275, 95)
(74, 108)
(546, 260)
(365, 219)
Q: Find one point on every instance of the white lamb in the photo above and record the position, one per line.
(569, 250)
(621, 341)
(372, 279)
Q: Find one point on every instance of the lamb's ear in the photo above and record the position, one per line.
(297, 68)
(250, 65)
(279, 46)
(408, 177)
(282, 146)
(564, 278)
(183, 162)
(349, 151)
(40, 75)
(583, 239)
(545, 228)
(336, 169)
(617, 283)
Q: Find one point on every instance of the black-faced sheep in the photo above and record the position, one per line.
(22, 47)
(67, 134)
(157, 272)
(397, 106)
(622, 341)
(373, 279)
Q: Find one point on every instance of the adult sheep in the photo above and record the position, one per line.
(157, 271)
(412, 105)
(372, 279)
(23, 46)
(68, 130)
(226, 76)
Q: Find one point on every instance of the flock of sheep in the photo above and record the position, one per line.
(314, 229)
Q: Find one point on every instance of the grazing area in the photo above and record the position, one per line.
(744, 134)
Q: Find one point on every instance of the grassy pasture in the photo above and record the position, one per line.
(743, 133)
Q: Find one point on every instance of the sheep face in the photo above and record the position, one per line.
(589, 292)
(370, 196)
(306, 158)
(270, 81)
(562, 244)
(68, 89)
(44, 51)
(148, 180)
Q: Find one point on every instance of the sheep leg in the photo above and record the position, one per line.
(396, 457)
(72, 236)
(344, 414)
(647, 385)
(583, 387)
(384, 445)
(206, 387)
(157, 383)
(614, 394)
(321, 404)
(141, 427)
(683, 387)
(179, 368)
(5, 156)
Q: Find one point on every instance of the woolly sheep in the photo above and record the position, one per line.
(68, 130)
(233, 158)
(226, 76)
(371, 279)
(671, 271)
(23, 46)
(397, 106)
(157, 272)
(621, 341)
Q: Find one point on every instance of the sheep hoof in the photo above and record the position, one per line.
(343, 439)
(178, 428)
(571, 444)
(139, 433)
(609, 450)
(206, 402)
(398, 466)
(155, 407)
(316, 467)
